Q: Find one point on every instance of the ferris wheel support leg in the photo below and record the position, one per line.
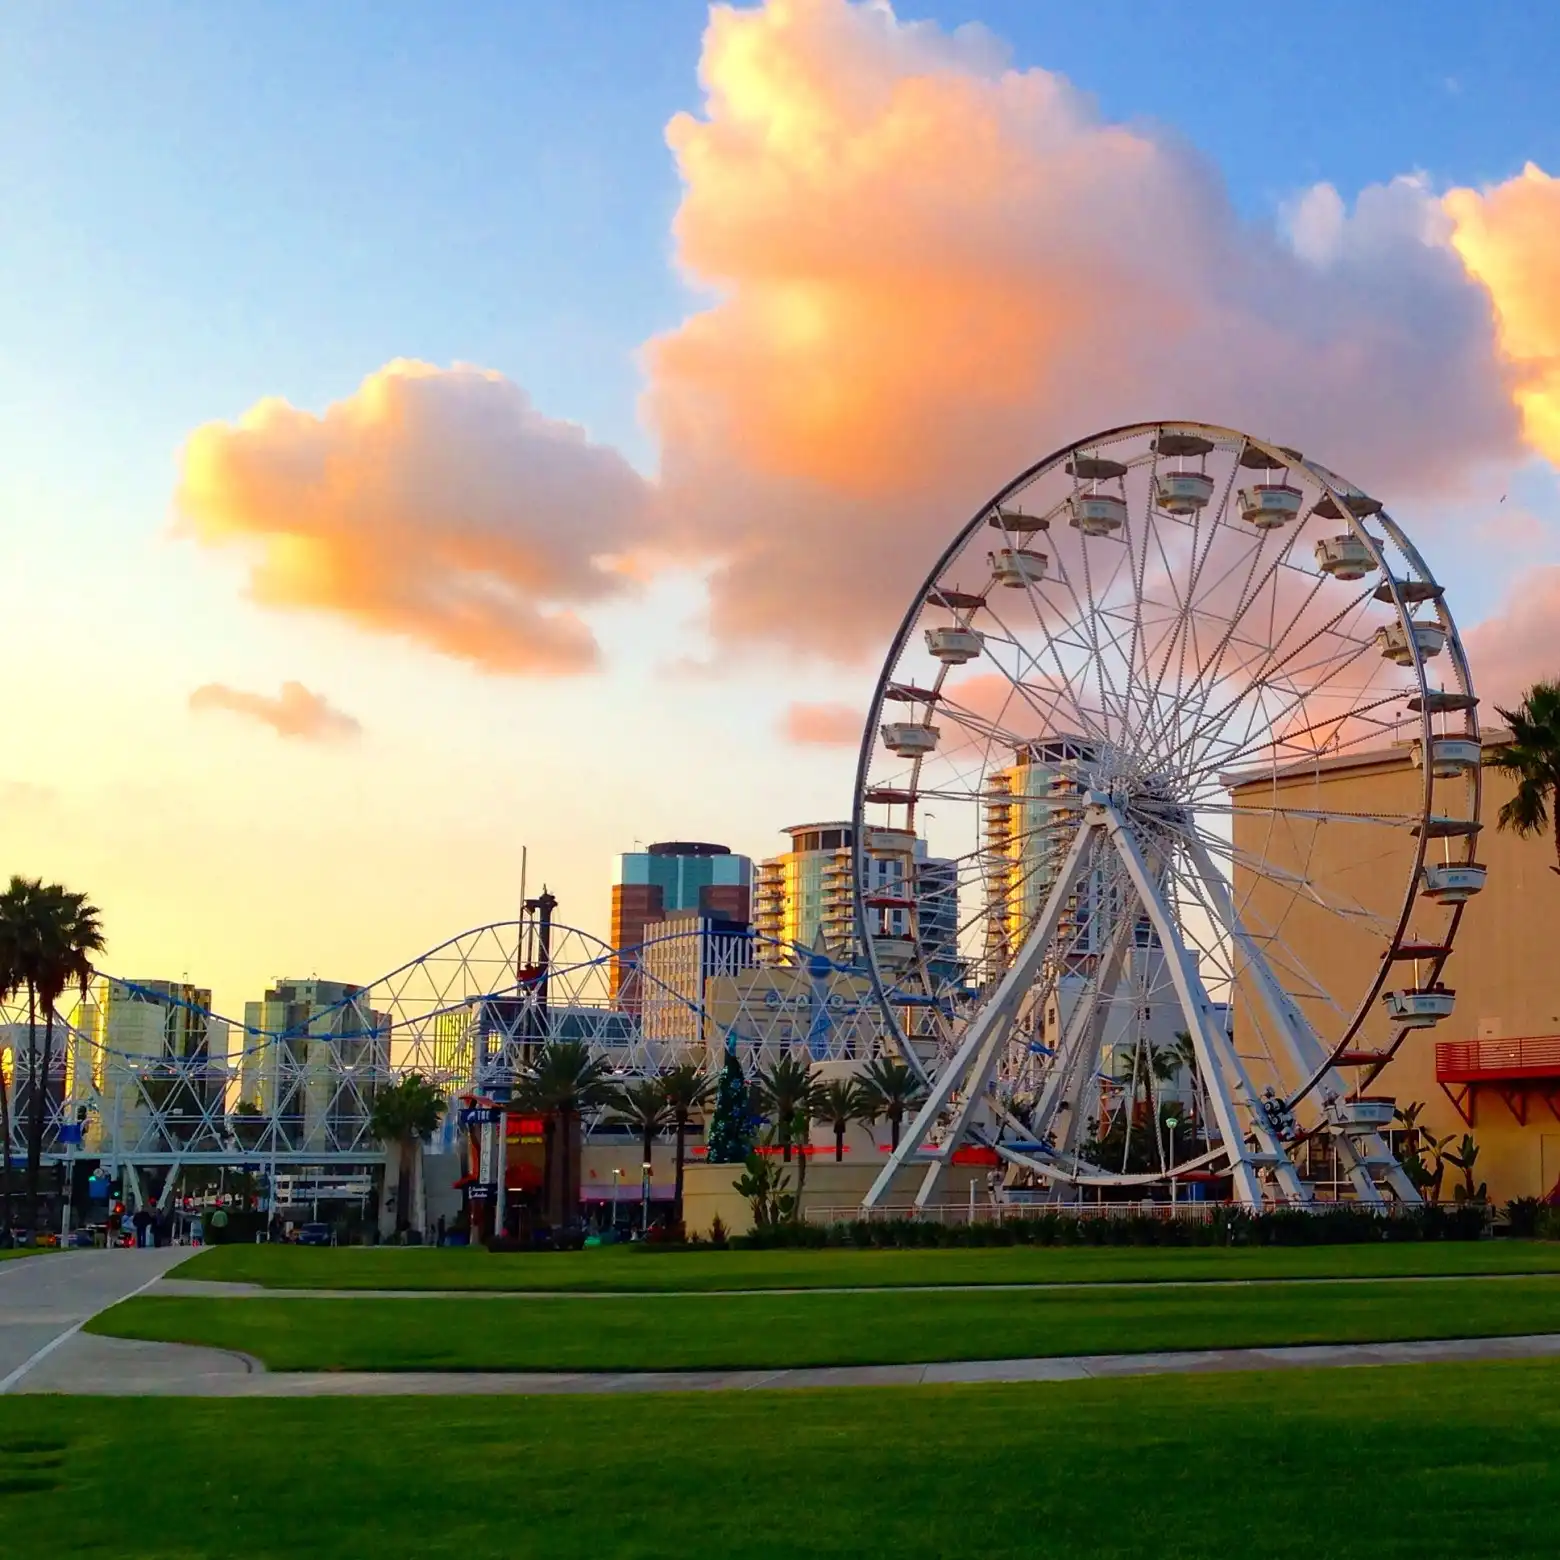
(1078, 1053)
(1306, 1051)
(974, 1061)
(1215, 1057)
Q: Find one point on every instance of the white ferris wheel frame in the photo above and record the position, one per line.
(1256, 1130)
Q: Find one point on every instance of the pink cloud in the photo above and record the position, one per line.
(822, 725)
(930, 268)
(1519, 643)
(297, 712)
(436, 504)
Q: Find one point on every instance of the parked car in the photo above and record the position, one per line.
(315, 1235)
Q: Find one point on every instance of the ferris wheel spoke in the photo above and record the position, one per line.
(1063, 680)
(1210, 727)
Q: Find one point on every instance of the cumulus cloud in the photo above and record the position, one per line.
(1519, 643)
(436, 504)
(297, 712)
(1509, 238)
(822, 725)
(929, 268)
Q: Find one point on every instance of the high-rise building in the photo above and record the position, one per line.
(666, 879)
(688, 952)
(314, 1056)
(1032, 810)
(161, 1060)
(805, 898)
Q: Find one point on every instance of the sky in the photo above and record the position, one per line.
(425, 434)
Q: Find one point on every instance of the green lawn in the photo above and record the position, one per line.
(863, 1328)
(1394, 1464)
(645, 1269)
(24, 1251)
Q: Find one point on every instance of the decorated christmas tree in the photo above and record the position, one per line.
(731, 1123)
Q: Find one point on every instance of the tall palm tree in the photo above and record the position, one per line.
(784, 1091)
(890, 1089)
(405, 1116)
(688, 1090)
(562, 1084)
(842, 1101)
(642, 1105)
(54, 933)
(11, 981)
(1532, 759)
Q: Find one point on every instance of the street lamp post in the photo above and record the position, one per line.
(644, 1201)
(1172, 1122)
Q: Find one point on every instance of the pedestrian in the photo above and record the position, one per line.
(139, 1222)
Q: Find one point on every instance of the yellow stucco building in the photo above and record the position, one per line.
(1493, 1066)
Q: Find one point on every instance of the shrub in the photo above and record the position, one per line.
(1226, 1227)
(1523, 1215)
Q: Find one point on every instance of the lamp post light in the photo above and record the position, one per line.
(1172, 1122)
(617, 1193)
(644, 1201)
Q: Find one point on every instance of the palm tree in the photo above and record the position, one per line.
(642, 1105)
(1532, 759)
(890, 1089)
(405, 1116)
(562, 1084)
(785, 1090)
(688, 1090)
(842, 1101)
(53, 933)
(11, 981)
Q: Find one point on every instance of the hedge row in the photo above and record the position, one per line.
(1226, 1227)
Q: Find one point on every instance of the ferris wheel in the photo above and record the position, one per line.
(1179, 745)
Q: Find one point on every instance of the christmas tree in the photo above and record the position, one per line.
(731, 1123)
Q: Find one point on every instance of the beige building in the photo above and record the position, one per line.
(1493, 1066)
(314, 1056)
(158, 1062)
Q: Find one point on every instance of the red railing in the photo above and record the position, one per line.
(1469, 1061)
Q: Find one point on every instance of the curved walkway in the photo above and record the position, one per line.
(46, 1300)
(119, 1366)
(44, 1303)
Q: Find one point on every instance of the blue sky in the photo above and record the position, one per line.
(205, 205)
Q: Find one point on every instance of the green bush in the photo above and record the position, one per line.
(1522, 1216)
(1226, 1227)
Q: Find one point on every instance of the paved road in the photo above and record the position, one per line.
(46, 1298)
(120, 1366)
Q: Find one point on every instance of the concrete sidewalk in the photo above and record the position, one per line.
(119, 1366)
(45, 1299)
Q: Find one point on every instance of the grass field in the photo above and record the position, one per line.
(1390, 1464)
(862, 1328)
(10, 1252)
(647, 1270)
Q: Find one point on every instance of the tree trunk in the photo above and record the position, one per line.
(34, 1109)
(677, 1191)
(839, 1142)
(5, 1144)
(403, 1187)
(549, 1161)
(565, 1124)
(801, 1180)
(894, 1118)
